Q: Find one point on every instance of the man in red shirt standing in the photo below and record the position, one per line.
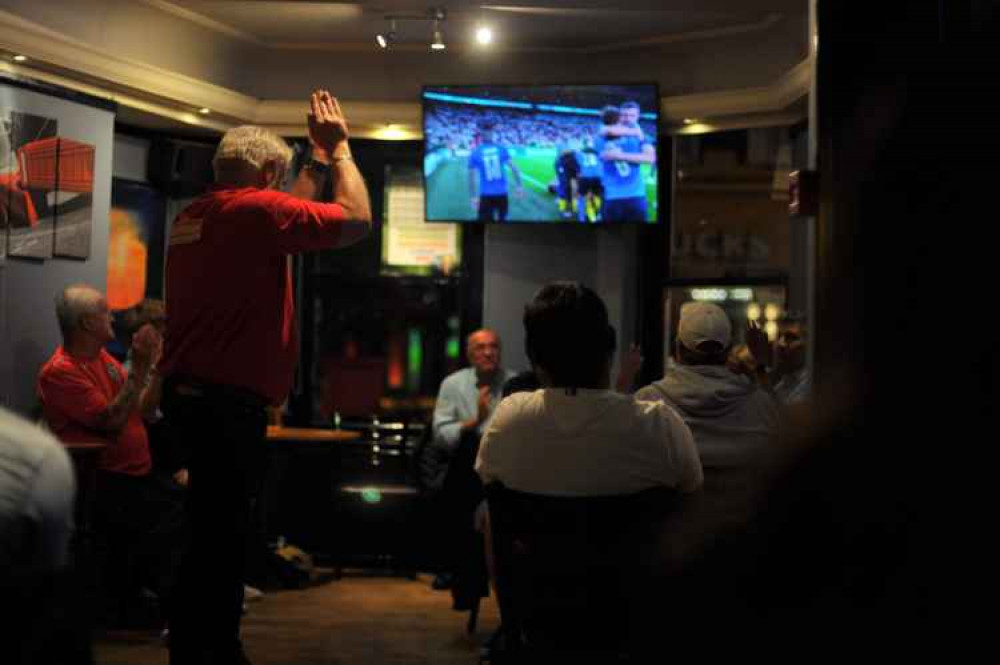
(231, 347)
(88, 397)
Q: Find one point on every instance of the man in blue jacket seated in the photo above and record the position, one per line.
(464, 404)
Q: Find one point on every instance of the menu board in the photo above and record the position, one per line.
(409, 244)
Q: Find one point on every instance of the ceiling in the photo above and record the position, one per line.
(723, 62)
(582, 25)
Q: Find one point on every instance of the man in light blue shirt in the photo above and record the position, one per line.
(467, 398)
(464, 404)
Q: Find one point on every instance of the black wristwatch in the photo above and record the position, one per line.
(319, 167)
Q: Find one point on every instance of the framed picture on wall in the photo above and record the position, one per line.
(48, 155)
(27, 178)
(135, 244)
(73, 198)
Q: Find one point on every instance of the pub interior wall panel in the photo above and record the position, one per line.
(29, 333)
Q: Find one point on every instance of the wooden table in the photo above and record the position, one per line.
(309, 435)
(288, 443)
(370, 511)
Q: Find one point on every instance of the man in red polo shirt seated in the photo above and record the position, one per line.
(231, 346)
(87, 396)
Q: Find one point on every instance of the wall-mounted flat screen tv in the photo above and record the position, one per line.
(579, 154)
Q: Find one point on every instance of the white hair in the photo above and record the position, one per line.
(252, 145)
(73, 303)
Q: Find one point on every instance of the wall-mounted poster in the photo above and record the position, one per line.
(135, 245)
(28, 179)
(33, 192)
(410, 245)
(73, 198)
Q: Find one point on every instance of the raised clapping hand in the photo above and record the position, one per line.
(147, 347)
(758, 344)
(632, 360)
(629, 368)
(327, 125)
(484, 404)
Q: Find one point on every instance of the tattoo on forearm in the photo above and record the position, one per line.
(124, 404)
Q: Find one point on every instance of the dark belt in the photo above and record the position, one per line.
(193, 387)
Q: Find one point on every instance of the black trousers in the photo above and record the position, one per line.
(224, 436)
(462, 492)
(142, 526)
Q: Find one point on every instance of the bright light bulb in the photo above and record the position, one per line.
(20, 58)
(382, 42)
(771, 328)
(771, 312)
(753, 311)
(484, 35)
(438, 43)
(204, 110)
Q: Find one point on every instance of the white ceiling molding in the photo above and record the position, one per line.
(368, 119)
(164, 111)
(743, 121)
(142, 81)
(293, 112)
(774, 98)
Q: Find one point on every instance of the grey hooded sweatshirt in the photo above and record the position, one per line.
(732, 420)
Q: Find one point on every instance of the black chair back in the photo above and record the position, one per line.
(570, 570)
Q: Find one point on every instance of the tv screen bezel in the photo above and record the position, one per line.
(569, 223)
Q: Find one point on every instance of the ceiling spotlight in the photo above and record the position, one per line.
(484, 35)
(204, 110)
(690, 121)
(387, 38)
(20, 58)
(438, 43)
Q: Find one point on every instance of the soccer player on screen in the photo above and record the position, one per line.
(567, 180)
(623, 157)
(488, 180)
(591, 191)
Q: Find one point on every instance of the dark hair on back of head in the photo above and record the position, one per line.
(610, 115)
(567, 334)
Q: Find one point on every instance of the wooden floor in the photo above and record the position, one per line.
(351, 621)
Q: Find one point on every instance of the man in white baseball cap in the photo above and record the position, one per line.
(704, 328)
(732, 419)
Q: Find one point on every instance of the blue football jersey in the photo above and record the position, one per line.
(490, 160)
(622, 180)
(590, 163)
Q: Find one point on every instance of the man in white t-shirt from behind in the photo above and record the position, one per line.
(576, 436)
